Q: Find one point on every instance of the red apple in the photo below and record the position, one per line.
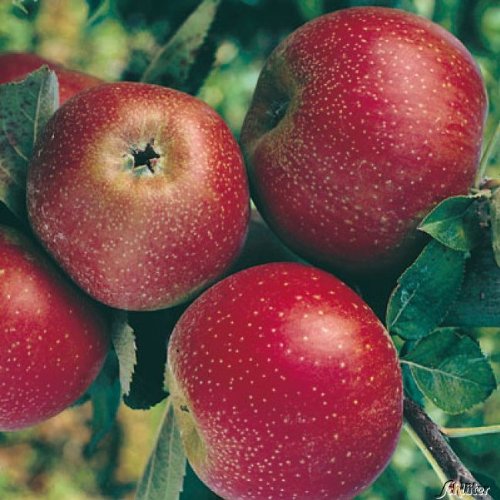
(285, 385)
(16, 66)
(362, 120)
(53, 339)
(140, 194)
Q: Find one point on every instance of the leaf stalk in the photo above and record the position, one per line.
(459, 432)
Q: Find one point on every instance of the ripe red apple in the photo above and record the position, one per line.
(53, 339)
(16, 65)
(362, 120)
(285, 385)
(140, 194)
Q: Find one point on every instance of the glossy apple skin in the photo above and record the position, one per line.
(292, 384)
(15, 66)
(383, 115)
(53, 339)
(131, 238)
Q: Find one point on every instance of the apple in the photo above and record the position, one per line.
(140, 193)
(361, 122)
(17, 65)
(285, 385)
(53, 339)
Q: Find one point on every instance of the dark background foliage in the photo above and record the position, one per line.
(115, 39)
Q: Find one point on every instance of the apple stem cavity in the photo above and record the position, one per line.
(277, 111)
(145, 157)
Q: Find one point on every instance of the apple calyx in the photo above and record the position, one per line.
(146, 157)
(194, 445)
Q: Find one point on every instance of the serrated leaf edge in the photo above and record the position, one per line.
(142, 491)
(423, 391)
(424, 225)
(120, 320)
(150, 72)
(447, 310)
(472, 197)
(48, 77)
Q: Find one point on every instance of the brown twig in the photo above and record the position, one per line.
(438, 446)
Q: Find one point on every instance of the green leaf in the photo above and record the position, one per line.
(478, 303)
(425, 291)
(409, 384)
(105, 394)
(451, 370)
(123, 338)
(164, 473)
(25, 108)
(455, 223)
(495, 224)
(186, 59)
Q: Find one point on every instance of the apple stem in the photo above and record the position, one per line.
(438, 451)
(487, 154)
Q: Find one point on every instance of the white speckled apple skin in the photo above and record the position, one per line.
(361, 122)
(292, 383)
(53, 338)
(134, 238)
